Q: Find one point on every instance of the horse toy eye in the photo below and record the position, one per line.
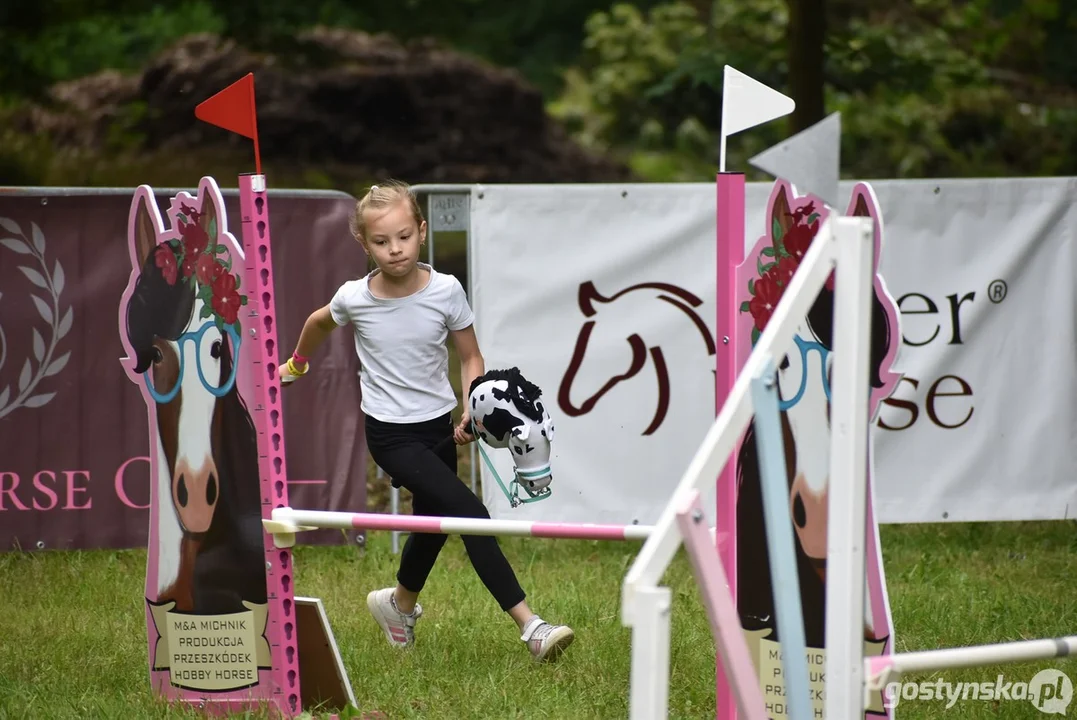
(215, 350)
(158, 356)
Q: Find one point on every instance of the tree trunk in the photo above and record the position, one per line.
(805, 40)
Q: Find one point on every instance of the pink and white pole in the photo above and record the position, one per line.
(730, 254)
(286, 522)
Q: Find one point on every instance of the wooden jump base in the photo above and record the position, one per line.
(286, 522)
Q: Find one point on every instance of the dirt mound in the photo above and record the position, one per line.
(338, 98)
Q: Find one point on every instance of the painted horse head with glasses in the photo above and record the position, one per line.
(804, 377)
(180, 324)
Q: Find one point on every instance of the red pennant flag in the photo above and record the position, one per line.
(233, 109)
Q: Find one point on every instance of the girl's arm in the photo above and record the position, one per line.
(472, 365)
(316, 329)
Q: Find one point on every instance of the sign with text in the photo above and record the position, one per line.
(977, 428)
(767, 657)
(219, 653)
(449, 212)
(74, 461)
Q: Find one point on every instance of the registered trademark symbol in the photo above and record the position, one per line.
(996, 291)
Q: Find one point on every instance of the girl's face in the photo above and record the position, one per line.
(393, 239)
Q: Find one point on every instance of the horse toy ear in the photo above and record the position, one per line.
(547, 425)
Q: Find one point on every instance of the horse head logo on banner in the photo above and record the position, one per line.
(182, 329)
(804, 378)
(624, 356)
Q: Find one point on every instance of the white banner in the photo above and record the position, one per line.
(983, 271)
(621, 279)
(534, 250)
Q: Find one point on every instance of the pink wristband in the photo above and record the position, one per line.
(299, 358)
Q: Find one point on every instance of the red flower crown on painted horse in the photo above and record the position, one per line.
(196, 257)
(786, 253)
(793, 222)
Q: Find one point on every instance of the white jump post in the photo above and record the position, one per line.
(842, 242)
(847, 496)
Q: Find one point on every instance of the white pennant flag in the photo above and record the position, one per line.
(811, 160)
(746, 102)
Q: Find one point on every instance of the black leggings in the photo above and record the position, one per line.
(406, 453)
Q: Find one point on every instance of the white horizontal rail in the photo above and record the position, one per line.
(973, 656)
(289, 520)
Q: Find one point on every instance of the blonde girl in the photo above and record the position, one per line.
(402, 314)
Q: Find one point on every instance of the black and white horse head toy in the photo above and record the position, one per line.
(506, 412)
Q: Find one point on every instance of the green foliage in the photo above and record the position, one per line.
(44, 41)
(93, 40)
(537, 37)
(925, 87)
(627, 53)
(649, 84)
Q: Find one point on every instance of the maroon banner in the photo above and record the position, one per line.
(74, 455)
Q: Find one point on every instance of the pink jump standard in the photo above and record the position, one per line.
(730, 254)
(198, 325)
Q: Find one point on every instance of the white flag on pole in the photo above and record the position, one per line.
(746, 102)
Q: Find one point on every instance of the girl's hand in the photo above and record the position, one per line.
(462, 432)
(288, 372)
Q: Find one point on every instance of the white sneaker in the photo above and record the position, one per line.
(398, 627)
(545, 641)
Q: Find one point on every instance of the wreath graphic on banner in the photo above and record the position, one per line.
(44, 362)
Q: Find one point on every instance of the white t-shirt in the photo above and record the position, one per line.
(404, 361)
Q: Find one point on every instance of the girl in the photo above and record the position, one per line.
(402, 313)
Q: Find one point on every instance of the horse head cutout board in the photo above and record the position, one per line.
(197, 325)
(790, 225)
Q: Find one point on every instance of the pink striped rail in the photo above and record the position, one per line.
(290, 520)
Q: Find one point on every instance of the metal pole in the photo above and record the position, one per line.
(472, 466)
(430, 229)
(452, 189)
(394, 508)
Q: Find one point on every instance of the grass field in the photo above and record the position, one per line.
(72, 636)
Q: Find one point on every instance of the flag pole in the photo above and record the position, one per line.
(254, 128)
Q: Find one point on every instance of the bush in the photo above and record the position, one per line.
(918, 84)
(116, 40)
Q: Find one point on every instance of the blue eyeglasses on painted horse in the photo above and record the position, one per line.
(506, 413)
(806, 347)
(204, 352)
